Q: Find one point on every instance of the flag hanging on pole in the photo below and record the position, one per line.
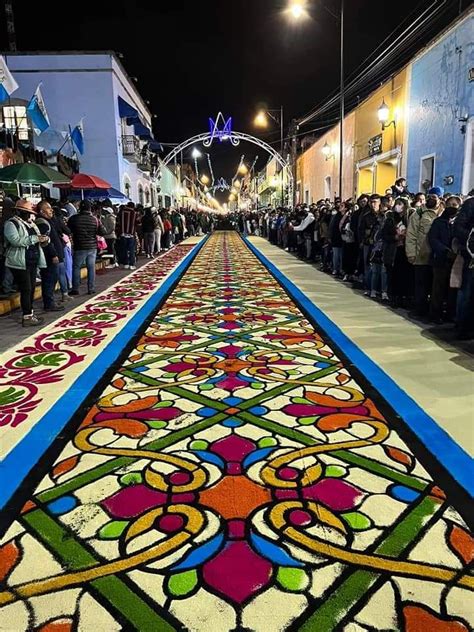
(7, 82)
(77, 136)
(37, 111)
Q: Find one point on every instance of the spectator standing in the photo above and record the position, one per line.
(440, 237)
(23, 256)
(125, 230)
(335, 239)
(148, 228)
(54, 254)
(365, 236)
(418, 253)
(463, 229)
(109, 222)
(84, 228)
(159, 230)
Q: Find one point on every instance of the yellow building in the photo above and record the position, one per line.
(378, 148)
(317, 169)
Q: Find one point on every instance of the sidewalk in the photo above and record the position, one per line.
(431, 370)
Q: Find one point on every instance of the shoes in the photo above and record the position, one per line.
(346, 278)
(116, 265)
(126, 267)
(132, 267)
(65, 298)
(74, 293)
(32, 321)
(385, 296)
(91, 292)
(367, 293)
(54, 308)
(373, 294)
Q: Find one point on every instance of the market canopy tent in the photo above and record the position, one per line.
(83, 182)
(31, 173)
(101, 194)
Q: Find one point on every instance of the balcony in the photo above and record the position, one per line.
(131, 148)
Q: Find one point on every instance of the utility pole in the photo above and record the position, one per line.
(10, 20)
(341, 130)
(293, 134)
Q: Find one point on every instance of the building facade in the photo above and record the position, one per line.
(94, 87)
(318, 166)
(380, 151)
(441, 112)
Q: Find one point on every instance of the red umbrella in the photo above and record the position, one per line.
(85, 181)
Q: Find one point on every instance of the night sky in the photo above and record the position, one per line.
(193, 59)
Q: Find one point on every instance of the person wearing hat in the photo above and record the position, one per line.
(24, 255)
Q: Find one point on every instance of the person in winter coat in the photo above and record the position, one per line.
(335, 239)
(148, 227)
(364, 231)
(24, 255)
(109, 222)
(84, 228)
(463, 229)
(167, 229)
(64, 266)
(418, 253)
(378, 271)
(398, 269)
(350, 249)
(159, 230)
(54, 253)
(126, 228)
(440, 237)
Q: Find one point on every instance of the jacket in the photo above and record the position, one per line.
(417, 246)
(55, 247)
(393, 235)
(126, 222)
(85, 228)
(148, 223)
(463, 225)
(17, 240)
(440, 237)
(109, 221)
(364, 230)
(334, 233)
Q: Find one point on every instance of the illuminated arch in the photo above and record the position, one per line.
(234, 138)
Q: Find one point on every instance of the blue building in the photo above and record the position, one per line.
(95, 88)
(441, 112)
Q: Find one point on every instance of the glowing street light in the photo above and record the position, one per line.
(297, 9)
(231, 197)
(196, 153)
(205, 179)
(261, 119)
(237, 184)
(243, 169)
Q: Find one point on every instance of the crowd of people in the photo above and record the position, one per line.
(412, 251)
(51, 242)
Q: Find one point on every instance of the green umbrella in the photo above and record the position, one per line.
(30, 173)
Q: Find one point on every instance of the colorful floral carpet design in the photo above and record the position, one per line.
(235, 475)
(34, 374)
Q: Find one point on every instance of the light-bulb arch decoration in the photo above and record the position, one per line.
(223, 135)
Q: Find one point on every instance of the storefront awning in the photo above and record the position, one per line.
(126, 110)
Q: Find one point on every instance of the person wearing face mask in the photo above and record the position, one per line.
(394, 257)
(440, 237)
(24, 255)
(418, 252)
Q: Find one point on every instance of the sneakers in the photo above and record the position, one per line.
(91, 292)
(132, 267)
(54, 308)
(373, 294)
(65, 298)
(32, 321)
(116, 265)
(385, 296)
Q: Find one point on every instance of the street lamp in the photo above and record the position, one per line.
(297, 9)
(204, 179)
(327, 151)
(383, 114)
(261, 120)
(243, 169)
(196, 153)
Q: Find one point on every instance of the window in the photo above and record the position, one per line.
(306, 197)
(427, 172)
(147, 197)
(140, 194)
(327, 187)
(127, 188)
(167, 201)
(16, 120)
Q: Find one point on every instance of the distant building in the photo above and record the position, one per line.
(441, 112)
(119, 145)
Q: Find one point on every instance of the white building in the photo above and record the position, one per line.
(95, 88)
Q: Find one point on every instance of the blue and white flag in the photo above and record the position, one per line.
(7, 82)
(37, 112)
(77, 136)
